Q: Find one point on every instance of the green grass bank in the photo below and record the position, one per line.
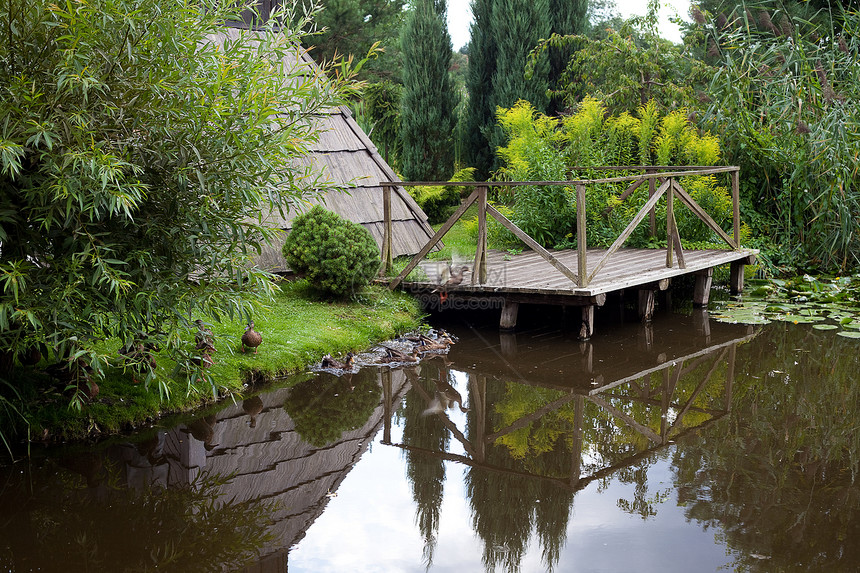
(298, 328)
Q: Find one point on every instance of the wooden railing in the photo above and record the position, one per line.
(662, 180)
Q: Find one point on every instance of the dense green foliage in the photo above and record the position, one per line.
(439, 202)
(785, 100)
(298, 327)
(338, 257)
(541, 148)
(503, 34)
(427, 120)
(479, 115)
(378, 114)
(351, 28)
(625, 68)
(131, 201)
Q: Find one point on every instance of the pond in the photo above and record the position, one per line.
(683, 445)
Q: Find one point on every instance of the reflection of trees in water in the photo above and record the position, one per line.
(779, 475)
(95, 526)
(425, 472)
(326, 406)
(507, 507)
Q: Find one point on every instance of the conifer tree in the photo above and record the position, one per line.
(479, 111)
(503, 34)
(429, 99)
(518, 26)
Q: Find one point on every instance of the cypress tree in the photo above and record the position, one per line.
(518, 26)
(429, 99)
(567, 17)
(480, 115)
(503, 34)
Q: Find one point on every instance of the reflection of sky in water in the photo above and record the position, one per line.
(370, 525)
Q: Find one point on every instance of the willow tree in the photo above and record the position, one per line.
(138, 156)
(427, 118)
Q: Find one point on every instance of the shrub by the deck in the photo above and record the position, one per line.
(338, 257)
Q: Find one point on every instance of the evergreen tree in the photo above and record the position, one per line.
(503, 34)
(518, 26)
(479, 111)
(429, 99)
(567, 17)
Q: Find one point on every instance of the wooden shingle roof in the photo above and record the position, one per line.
(349, 161)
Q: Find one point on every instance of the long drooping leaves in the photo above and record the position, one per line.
(785, 100)
(141, 148)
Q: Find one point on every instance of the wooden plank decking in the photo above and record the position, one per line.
(528, 273)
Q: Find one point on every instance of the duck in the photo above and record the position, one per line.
(203, 336)
(138, 357)
(204, 359)
(251, 338)
(392, 355)
(455, 277)
(427, 344)
(72, 373)
(347, 364)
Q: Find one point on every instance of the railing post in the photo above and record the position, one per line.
(670, 222)
(386, 233)
(479, 270)
(582, 263)
(736, 211)
(652, 215)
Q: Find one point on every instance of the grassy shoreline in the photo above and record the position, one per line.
(298, 328)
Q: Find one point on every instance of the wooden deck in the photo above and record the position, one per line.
(530, 274)
(583, 276)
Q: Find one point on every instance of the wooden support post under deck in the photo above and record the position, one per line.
(736, 282)
(509, 315)
(646, 304)
(702, 290)
(587, 328)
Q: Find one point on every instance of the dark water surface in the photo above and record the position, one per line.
(686, 445)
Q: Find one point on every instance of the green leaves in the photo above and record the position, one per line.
(338, 256)
(141, 149)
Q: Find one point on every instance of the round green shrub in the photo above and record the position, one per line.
(337, 256)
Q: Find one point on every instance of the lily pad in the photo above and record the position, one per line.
(849, 333)
(824, 326)
(798, 318)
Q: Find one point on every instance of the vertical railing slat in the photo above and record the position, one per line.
(581, 246)
(479, 270)
(387, 258)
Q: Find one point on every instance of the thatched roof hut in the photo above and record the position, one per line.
(349, 161)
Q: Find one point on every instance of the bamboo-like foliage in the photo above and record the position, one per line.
(139, 157)
(785, 99)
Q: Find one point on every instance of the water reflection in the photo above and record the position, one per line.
(540, 429)
(672, 429)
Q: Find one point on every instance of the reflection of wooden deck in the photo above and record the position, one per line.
(529, 273)
(690, 392)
